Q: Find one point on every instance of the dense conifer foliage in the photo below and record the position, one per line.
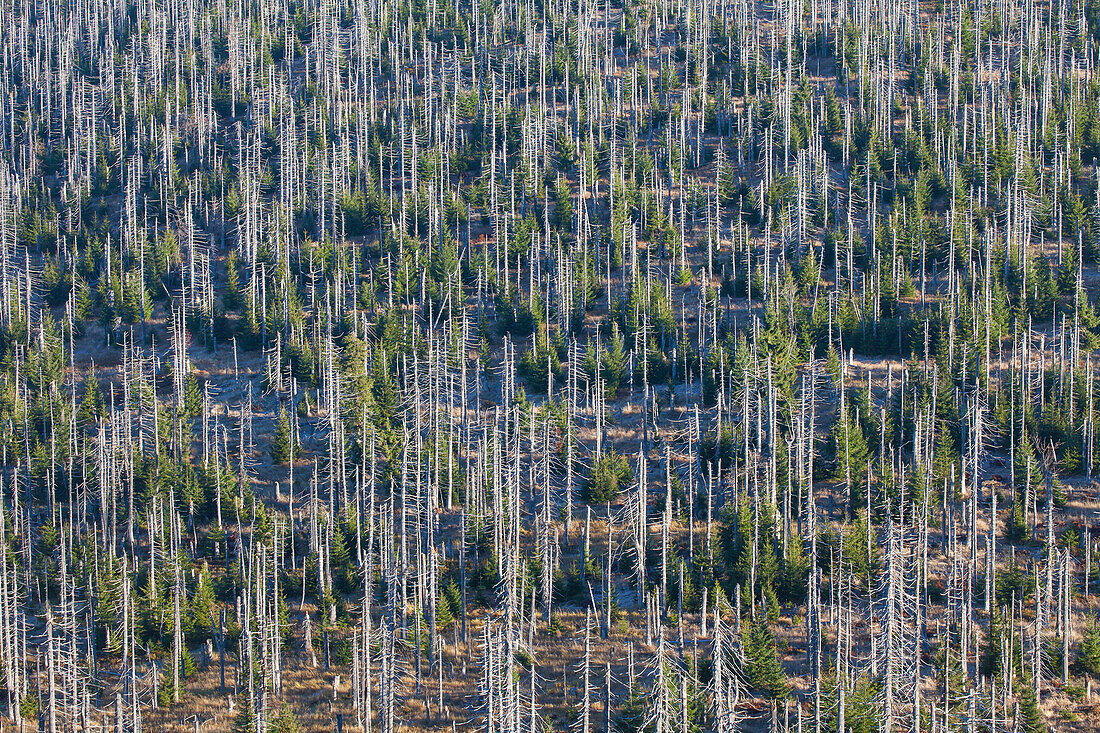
(529, 365)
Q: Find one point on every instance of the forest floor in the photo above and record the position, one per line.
(322, 697)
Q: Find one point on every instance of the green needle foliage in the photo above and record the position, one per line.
(611, 474)
(283, 441)
(763, 670)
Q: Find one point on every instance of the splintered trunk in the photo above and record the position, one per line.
(51, 670)
(640, 529)
(462, 570)
(177, 636)
(1067, 626)
(586, 685)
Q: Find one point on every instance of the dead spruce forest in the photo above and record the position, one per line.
(617, 366)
